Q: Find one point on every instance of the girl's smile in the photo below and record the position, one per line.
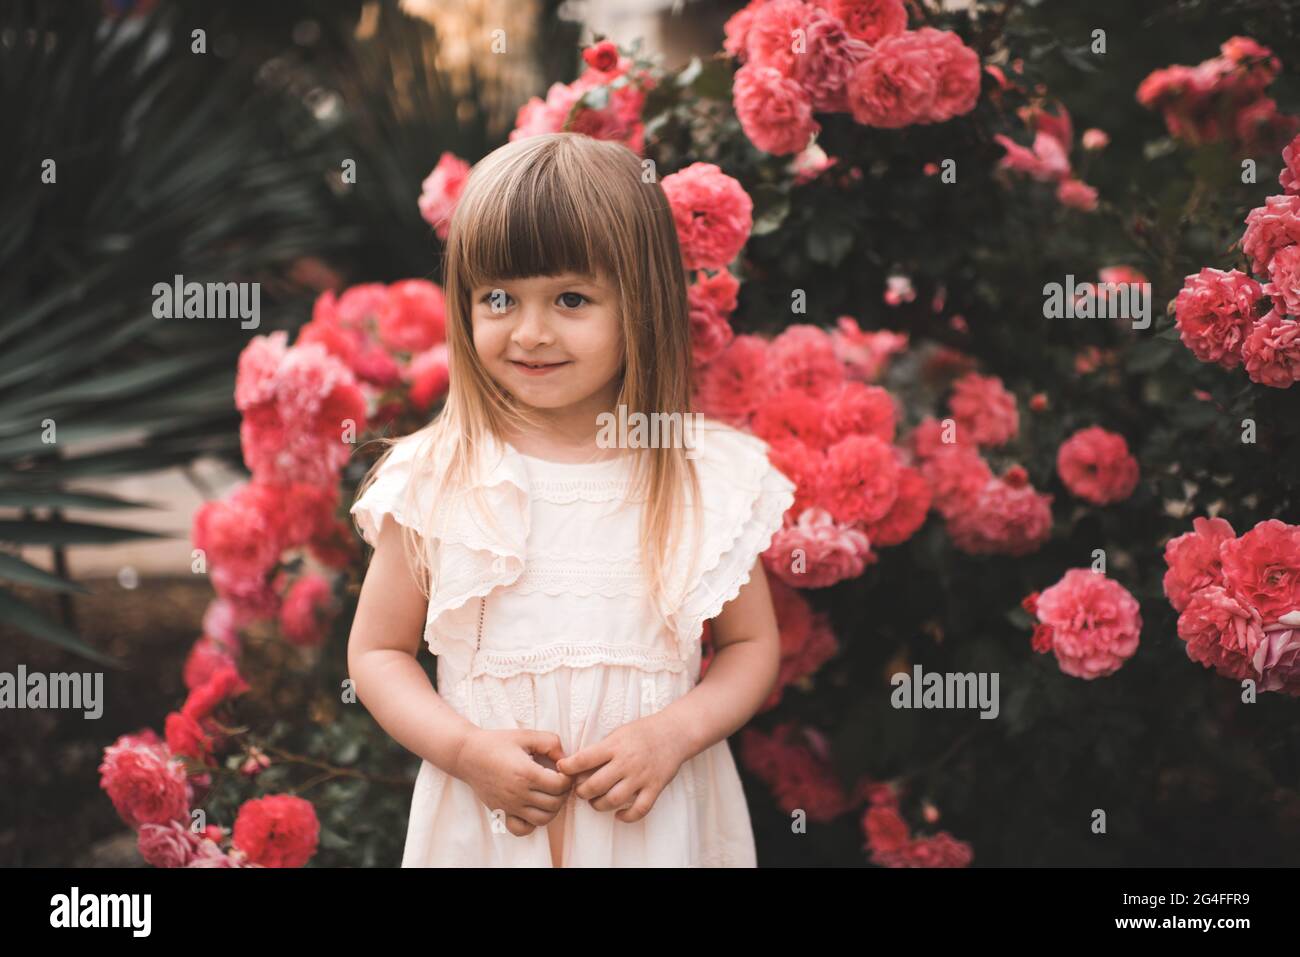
(536, 369)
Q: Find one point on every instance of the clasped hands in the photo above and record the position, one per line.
(511, 770)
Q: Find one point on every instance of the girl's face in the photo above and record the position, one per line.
(553, 342)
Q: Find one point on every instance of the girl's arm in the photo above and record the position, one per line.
(743, 672)
(382, 647)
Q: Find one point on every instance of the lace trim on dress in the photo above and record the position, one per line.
(505, 664)
(566, 491)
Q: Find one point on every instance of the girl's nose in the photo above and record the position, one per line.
(532, 330)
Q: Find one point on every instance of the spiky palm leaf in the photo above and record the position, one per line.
(166, 162)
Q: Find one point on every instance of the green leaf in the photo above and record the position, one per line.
(28, 620)
(68, 533)
(14, 569)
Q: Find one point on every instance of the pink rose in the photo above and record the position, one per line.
(1095, 465)
(713, 214)
(1006, 517)
(441, 190)
(1289, 178)
(816, 551)
(1269, 228)
(732, 386)
(1284, 280)
(895, 85)
(145, 785)
(774, 111)
(1046, 161)
(1221, 632)
(803, 357)
(1262, 568)
(870, 20)
(1271, 352)
(1076, 194)
(1193, 560)
(1214, 312)
(984, 410)
(1095, 623)
(1277, 658)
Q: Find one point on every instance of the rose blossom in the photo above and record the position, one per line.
(870, 20)
(1221, 632)
(144, 784)
(1277, 659)
(807, 640)
(304, 610)
(865, 354)
(713, 214)
(1046, 161)
(830, 552)
(1214, 311)
(769, 41)
(895, 85)
(803, 357)
(736, 30)
(1193, 560)
(710, 302)
(859, 409)
(860, 481)
(830, 57)
(1289, 178)
(774, 111)
(1095, 623)
(907, 513)
(1262, 568)
(984, 410)
(957, 68)
(1096, 466)
(1271, 352)
(1095, 139)
(1284, 280)
(441, 190)
(796, 775)
(1008, 516)
(793, 414)
(956, 474)
(733, 385)
(1269, 228)
(279, 830)
(1076, 194)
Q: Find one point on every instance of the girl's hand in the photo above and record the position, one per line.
(500, 768)
(636, 762)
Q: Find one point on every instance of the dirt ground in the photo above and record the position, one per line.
(52, 811)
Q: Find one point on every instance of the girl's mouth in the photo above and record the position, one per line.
(539, 368)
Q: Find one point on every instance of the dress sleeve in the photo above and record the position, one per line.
(386, 495)
(745, 499)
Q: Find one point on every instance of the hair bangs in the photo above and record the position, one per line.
(539, 222)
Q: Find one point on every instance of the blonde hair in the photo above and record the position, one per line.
(540, 206)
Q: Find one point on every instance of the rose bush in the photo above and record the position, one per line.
(869, 219)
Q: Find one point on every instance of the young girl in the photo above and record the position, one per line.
(562, 570)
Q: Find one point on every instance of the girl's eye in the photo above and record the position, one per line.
(577, 295)
(497, 299)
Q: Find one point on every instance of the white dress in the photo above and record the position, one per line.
(570, 643)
